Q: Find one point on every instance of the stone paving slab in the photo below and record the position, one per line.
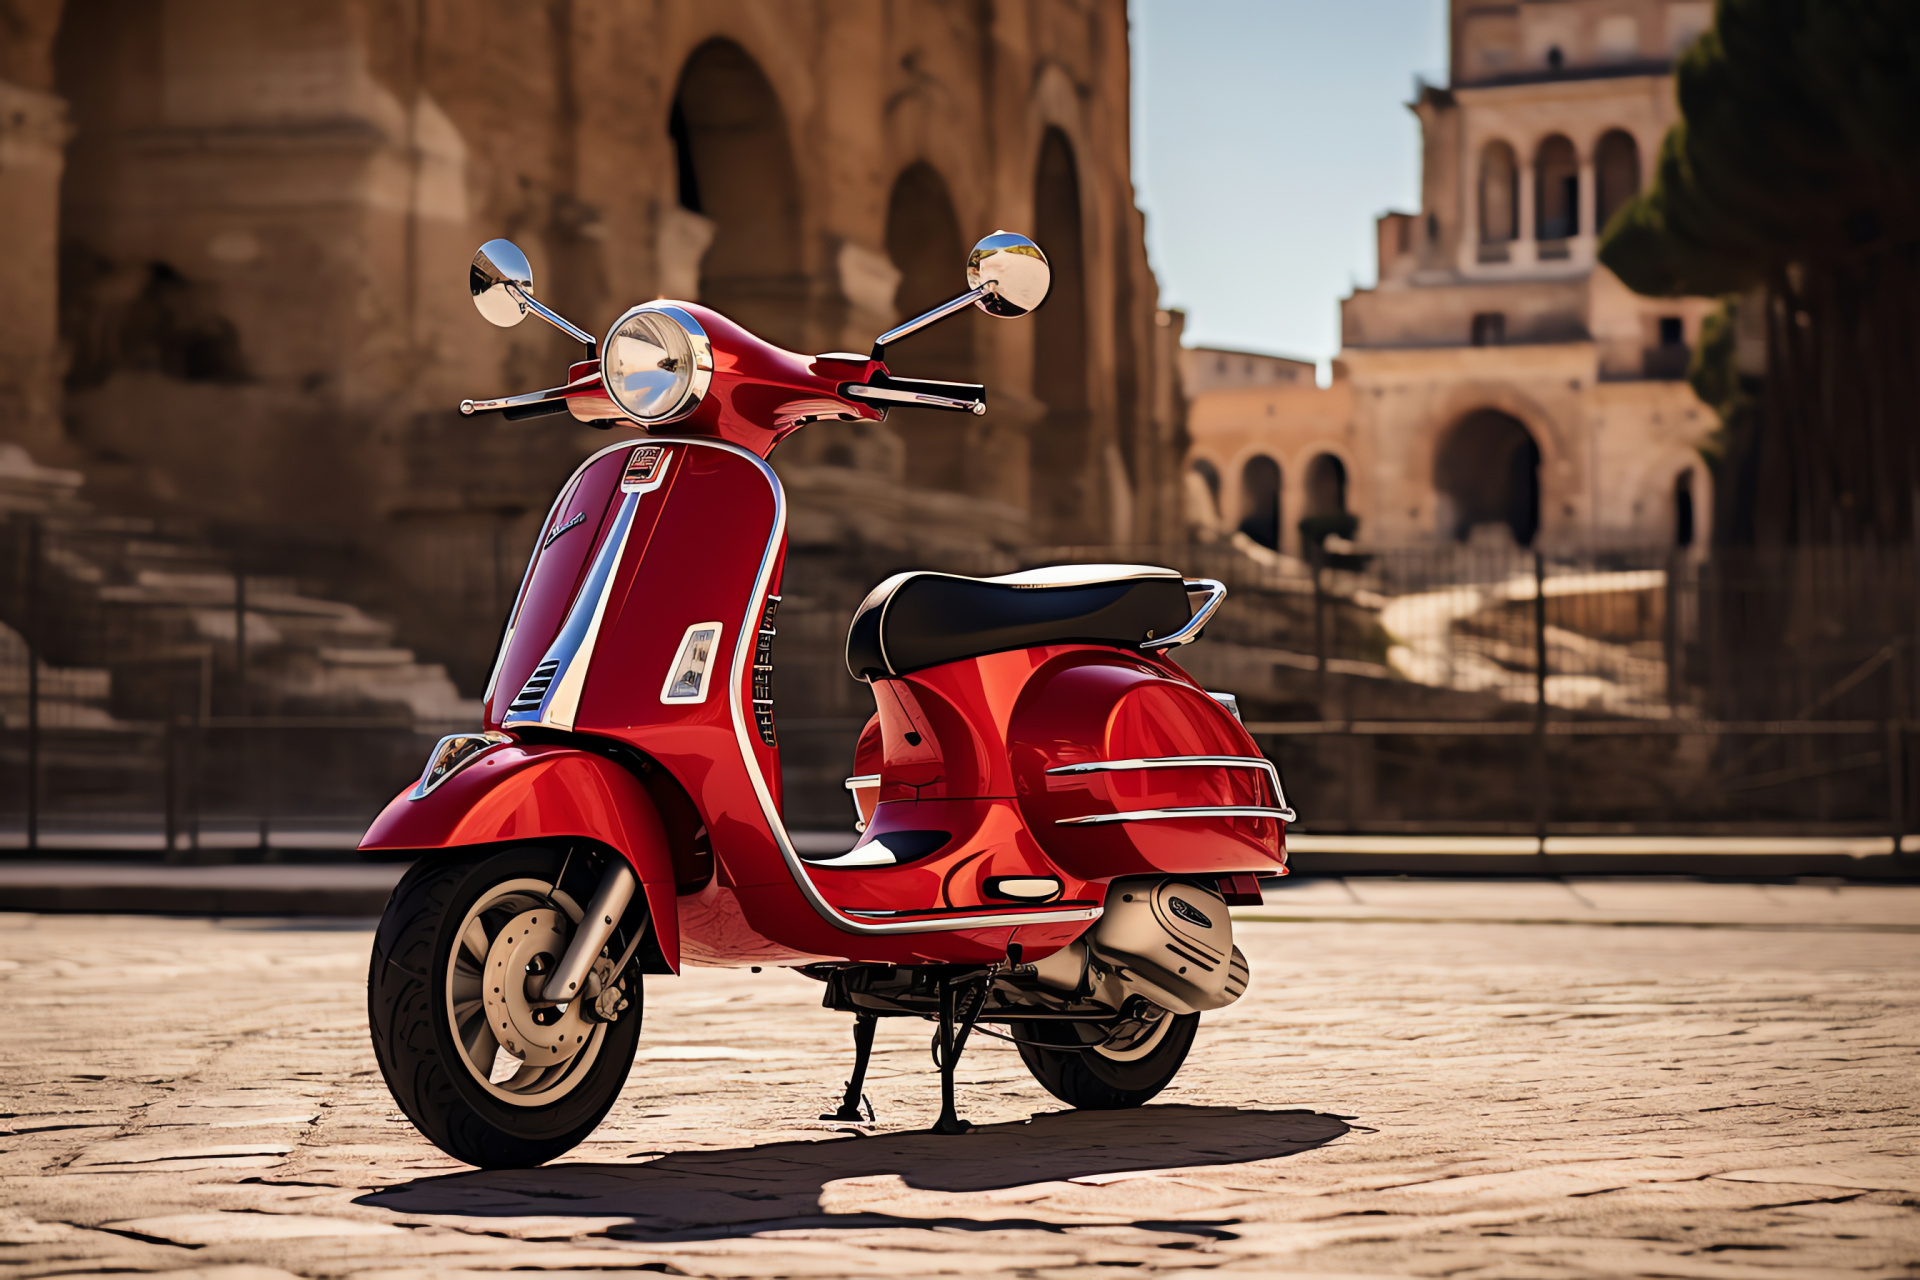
(1391, 1098)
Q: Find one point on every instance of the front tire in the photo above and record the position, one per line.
(460, 1049)
(1071, 1062)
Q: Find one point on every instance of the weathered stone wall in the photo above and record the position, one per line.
(262, 215)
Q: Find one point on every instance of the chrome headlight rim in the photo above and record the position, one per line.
(697, 341)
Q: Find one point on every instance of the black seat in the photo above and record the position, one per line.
(916, 620)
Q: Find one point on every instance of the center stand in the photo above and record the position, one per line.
(960, 1006)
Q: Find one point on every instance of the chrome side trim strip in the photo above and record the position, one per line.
(742, 657)
(1216, 593)
(1005, 917)
(1196, 811)
(1184, 762)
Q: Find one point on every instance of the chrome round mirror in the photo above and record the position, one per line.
(499, 276)
(1013, 271)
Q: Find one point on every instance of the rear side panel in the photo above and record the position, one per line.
(1095, 706)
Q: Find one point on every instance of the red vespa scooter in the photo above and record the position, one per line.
(1054, 817)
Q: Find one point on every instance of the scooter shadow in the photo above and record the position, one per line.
(696, 1195)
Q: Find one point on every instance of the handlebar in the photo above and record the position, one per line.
(925, 393)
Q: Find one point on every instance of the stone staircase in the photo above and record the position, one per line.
(150, 638)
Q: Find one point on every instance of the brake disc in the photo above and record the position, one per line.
(525, 952)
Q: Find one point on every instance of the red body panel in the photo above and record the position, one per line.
(518, 792)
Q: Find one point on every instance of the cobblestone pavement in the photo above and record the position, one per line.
(1430, 1096)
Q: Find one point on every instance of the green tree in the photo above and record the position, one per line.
(1795, 170)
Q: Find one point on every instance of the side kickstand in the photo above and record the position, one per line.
(863, 1029)
(958, 1012)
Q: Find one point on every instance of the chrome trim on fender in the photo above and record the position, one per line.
(742, 657)
(1194, 811)
(1216, 593)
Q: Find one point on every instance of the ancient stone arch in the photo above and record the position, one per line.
(1616, 173)
(733, 150)
(1499, 194)
(1261, 483)
(925, 244)
(1066, 489)
(1486, 470)
(1556, 189)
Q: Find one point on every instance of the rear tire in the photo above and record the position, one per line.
(1062, 1056)
(429, 1025)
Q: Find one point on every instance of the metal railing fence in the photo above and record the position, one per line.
(1422, 689)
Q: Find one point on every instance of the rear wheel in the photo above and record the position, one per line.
(485, 1070)
(1098, 1066)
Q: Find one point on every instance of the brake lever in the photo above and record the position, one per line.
(554, 396)
(925, 393)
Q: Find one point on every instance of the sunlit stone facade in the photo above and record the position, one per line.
(1497, 381)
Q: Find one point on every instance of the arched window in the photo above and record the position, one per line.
(1066, 493)
(1616, 170)
(1327, 514)
(1556, 187)
(924, 242)
(1488, 472)
(1260, 501)
(1499, 194)
(1210, 476)
(1326, 486)
(736, 167)
(1683, 509)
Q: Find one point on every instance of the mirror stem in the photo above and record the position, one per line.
(940, 312)
(558, 321)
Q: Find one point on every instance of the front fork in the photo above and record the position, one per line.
(609, 903)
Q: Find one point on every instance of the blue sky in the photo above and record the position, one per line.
(1267, 134)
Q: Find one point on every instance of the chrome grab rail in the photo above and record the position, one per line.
(1195, 811)
(1216, 592)
(1283, 811)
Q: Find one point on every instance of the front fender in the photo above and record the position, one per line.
(536, 792)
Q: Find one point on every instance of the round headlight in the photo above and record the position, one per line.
(656, 363)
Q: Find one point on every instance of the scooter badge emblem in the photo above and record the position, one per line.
(643, 467)
(577, 517)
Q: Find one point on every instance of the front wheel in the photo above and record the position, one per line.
(485, 1070)
(1107, 1066)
